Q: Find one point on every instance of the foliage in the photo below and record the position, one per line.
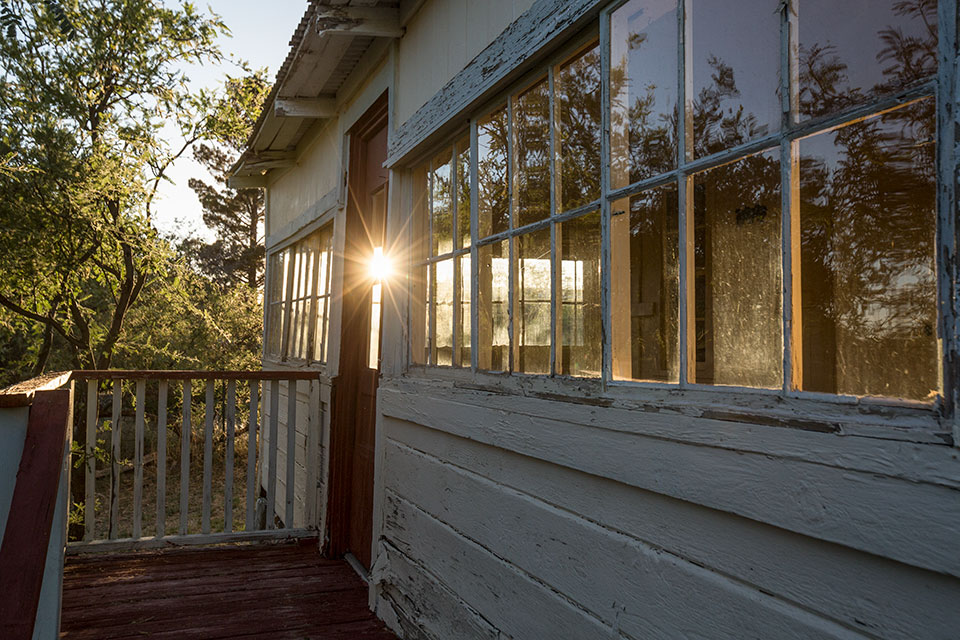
(235, 215)
(86, 90)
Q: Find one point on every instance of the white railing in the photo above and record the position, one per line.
(239, 417)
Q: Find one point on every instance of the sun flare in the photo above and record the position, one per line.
(379, 267)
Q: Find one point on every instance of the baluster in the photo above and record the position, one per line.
(90, 481)
(138, 460)
(291, 451)
(252, 456)
(228, 461)
(207, 457)
(310, 455)
(115, 450)
(185, 456)
(272, 458)
(162, 458)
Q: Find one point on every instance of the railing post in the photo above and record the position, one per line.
(138, 459)
(162, 458)
(115, 416)
(90, 480)
(272, 458)
(185, 455)
(210, 407)
(228, 459)
(252, 457)
(291, 485)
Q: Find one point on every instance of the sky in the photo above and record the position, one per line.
(260, 34)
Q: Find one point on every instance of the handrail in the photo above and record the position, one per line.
(137, 374)
(232, 408)
(26, 538)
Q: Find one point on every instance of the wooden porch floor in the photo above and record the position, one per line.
(235, 591)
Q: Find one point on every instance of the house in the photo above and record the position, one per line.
(633, 319)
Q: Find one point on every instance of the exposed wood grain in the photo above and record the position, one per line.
(23, 552)
(531, 534)
(275, 591)
(828, 503)
(21, 394)
(190, 539)
(860, 590)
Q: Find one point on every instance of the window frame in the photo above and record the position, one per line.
(940, 87)
(306, 339)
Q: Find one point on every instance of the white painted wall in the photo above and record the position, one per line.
(535, 518)
(441, 38)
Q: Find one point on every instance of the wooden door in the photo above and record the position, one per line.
(354, 407)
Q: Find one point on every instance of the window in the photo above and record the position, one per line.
(298, 298)
(766, 206)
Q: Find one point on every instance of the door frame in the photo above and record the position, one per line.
(344, 387)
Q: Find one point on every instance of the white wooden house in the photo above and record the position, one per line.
(634, 319)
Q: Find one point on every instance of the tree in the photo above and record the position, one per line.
(86, 90)
(235, 215)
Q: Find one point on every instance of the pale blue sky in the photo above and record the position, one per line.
(260, 35)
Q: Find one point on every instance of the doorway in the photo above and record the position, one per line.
(354, 401)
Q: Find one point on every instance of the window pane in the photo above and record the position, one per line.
(493, 206)
(577, 88)
(493, 306)
(643, 90)
(868, 219)
(463, 193)
(737, 319)
(533, 302)
(531, 128)
(442, 203)
(580, 319)
(441, 291)
(645, 285)
(419, 315)
(464, 322)
(856, 50)
(735, 87)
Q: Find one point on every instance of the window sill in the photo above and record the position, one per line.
(880, 418)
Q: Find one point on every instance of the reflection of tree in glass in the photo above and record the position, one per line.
(532, 131)
(714, 130)
(868, 211)
(492, 173)
(441, 196)
(578, 98)
(908, 53)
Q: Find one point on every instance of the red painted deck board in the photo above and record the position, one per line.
(235, 591)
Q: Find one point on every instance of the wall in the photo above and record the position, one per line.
(441, 38)
(534, 518)
(295, 191)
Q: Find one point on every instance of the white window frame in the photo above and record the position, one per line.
(926, 415)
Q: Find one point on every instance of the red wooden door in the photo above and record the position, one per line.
(354, 407)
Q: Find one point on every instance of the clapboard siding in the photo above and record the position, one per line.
(644, 590)
(760, 556)
(865, 511)
(681, 535)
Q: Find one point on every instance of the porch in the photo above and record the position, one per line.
(285, 590)
(163, 512)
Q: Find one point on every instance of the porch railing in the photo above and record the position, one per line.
(240, 417)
